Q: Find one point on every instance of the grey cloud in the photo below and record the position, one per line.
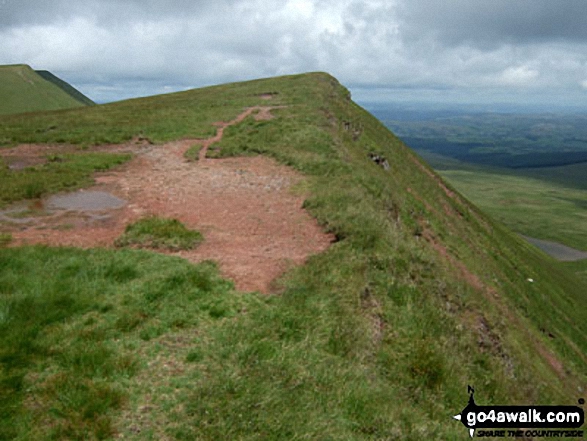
(19, 12)
(488, 23)
(153, 45)
(23, 12)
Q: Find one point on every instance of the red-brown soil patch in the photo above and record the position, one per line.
(253, 224)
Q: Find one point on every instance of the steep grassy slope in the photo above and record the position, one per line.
(66, 87)
(24, 90)
(377, 338)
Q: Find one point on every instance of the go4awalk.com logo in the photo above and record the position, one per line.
(506, 421)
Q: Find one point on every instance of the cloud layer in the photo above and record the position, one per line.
(456, 49)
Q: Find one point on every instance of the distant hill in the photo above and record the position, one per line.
(23, 89)
(66, 87)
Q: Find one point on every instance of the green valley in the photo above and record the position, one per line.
(526, 170)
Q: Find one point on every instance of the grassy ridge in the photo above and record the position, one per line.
(163, 118)
(375, 338)
(24, 90)
(66, 87)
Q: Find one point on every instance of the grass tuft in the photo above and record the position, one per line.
(5, 239)
(159, 233)
(193, 153)
(75, 341)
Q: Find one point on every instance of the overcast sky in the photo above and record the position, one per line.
(527, 51)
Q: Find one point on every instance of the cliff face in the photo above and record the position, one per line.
(377, 337)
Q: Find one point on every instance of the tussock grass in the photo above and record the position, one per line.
(159, 233)
(193, 153)
(71, 323)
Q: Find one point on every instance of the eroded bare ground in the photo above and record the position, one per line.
(253, 225)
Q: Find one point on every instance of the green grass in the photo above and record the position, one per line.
(24, 90)
(5, 239)
(529, 206)
(61, 172)
(571, 176)
(76, 327)
(579, 267)
(193, 153)
(66, 87)
(547, 203)
(376, 338)
(164, 118)
(159, 233)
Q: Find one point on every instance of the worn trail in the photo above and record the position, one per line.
(253, 224)
(264, 113)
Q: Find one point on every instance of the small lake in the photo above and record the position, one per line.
(558, 251)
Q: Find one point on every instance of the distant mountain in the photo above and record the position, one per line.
(23, 89)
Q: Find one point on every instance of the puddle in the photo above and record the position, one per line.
(84, 201)
(16, 213)
(17, 163)
(89, 205)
